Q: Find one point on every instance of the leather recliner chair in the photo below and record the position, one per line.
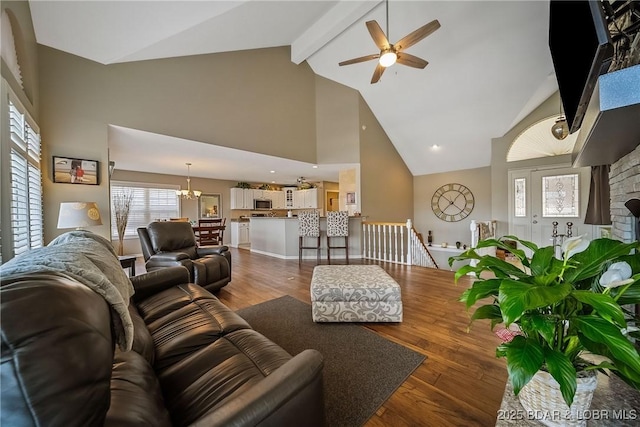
(170, 244)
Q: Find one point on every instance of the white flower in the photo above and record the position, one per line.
(621, 267)
(618, 274)
(613, 279)
(574, 245)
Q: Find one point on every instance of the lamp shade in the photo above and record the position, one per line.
(78, 215)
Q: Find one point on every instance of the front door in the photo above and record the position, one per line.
(544, 202)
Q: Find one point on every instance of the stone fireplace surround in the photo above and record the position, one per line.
(624, 180)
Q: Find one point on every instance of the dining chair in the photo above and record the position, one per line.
(210, 231)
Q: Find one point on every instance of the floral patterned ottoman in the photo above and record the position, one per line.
(354, 293)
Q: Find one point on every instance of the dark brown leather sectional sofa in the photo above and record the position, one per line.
(193, 361)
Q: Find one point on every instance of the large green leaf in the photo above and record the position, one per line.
(517, 297)
(501, 268)
(524, 359)
(600, 331)
(627, 374)
(633, 260)
(464, 270)
(592, 259)
(603, 304)
(464, 256)
(545, 326)
(480, 289)
(530, 245)
(630, 296)
(561, 368)
(487, 312)
(541, 261)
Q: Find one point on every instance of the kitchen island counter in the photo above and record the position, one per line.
(278, 237)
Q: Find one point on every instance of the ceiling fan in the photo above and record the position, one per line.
(392, 53)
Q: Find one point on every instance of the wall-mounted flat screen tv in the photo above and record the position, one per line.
(581, 50)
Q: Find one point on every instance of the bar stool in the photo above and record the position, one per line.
(308, 226)
(337, 226)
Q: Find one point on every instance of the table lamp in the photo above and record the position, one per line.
(78, 215)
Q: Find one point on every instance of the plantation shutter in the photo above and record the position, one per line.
(26, 182)
(149, 203)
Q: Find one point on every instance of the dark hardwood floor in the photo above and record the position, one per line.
(459, 384)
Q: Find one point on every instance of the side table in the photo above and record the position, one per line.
(128, 261)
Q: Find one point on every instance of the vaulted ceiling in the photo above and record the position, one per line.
(489, 63)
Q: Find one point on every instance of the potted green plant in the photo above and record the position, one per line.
(559, 310)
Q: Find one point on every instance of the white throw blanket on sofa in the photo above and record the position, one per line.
(91, 260)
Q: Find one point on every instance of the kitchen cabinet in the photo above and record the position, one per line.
(288, 193)
(306, 199)
(277, 197)
(241, 198)
(239, 234)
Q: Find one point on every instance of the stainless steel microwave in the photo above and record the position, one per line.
(261, 204)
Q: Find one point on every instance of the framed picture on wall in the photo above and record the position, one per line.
(210, 206)
(351, 198)
(70, 170)
(605, 232)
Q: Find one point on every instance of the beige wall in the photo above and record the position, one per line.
(500, 167)
(337, 122)
(386, 184)
(478, 180)
(349, 182)
(218, 99)
(489, 185)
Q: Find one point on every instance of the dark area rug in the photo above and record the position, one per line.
(361, 369)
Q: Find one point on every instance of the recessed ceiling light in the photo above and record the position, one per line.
(435, 146)
(272, 171)
(315, 166)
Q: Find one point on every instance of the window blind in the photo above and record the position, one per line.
(148, 203)
(26, 182)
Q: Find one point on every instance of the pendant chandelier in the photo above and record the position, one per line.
(188, 194)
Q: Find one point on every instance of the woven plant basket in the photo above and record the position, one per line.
(543, 401)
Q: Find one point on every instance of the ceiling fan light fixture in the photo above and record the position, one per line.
(560, 129)
(388, 58)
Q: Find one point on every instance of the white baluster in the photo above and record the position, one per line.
(410, 255)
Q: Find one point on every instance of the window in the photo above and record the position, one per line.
(150, 202)
(23, 150)
(520, 185)
(560, 196)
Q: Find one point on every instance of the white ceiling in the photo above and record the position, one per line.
(489, 66)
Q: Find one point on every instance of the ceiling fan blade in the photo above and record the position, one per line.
(413, 38)
(377, 74)
(360, 59)
(378, 35)
(411, 61)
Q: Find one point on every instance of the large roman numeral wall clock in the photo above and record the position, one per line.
(452, 202)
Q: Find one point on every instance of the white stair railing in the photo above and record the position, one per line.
(395, 242)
